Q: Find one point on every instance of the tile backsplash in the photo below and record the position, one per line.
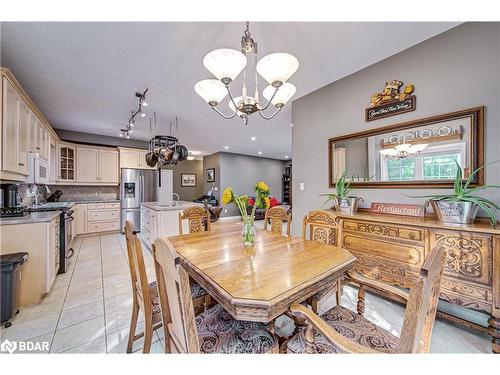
(70, 193)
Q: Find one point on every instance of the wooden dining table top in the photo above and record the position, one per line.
(259, 283)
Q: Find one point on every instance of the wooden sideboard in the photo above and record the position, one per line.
(393, 248)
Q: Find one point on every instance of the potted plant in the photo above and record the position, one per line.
(342, 199)
(461, 206)
(241, 201)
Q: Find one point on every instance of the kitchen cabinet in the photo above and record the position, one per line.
(108, 166)
(15, 134)
(103, 217)
(87, 168)
(67, 162)
(133, 158)
(79, 223)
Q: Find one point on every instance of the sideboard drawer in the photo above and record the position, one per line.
(393, 262)
(383, 230)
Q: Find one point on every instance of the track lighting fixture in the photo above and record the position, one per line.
(131, 122)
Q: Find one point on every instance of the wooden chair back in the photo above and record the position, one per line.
(176, 304)
(277, 216)
(322, 225)
(196, 217)
(422, 304)
(138, 275)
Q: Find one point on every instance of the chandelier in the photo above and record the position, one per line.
(226, 64)
(125, 132)
(403, 150)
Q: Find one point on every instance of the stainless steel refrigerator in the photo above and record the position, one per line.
(136, 186)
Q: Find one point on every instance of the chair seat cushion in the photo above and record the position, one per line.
(350, 325)
(196, 291)
(219, 332)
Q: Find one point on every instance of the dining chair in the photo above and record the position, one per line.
(321, 226)
(214, 330)
(144, 294)
(198, 219)
(342, 330)
(276, 216)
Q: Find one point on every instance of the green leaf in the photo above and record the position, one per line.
(491, 215)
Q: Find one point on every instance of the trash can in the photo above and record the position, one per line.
(10, 285)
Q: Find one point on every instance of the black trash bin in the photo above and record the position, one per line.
(10, 285)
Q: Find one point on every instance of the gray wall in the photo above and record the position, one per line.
(212, 161)
(102, 140)
(455, 70)
(187, 166)
(241, 172)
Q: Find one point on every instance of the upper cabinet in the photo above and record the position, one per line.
(24, 130)
(133, 158)
(15, 131)
(87, 165)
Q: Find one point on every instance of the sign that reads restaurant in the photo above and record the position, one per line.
(390, 109)
(398, 209)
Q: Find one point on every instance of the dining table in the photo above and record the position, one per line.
(259, 283)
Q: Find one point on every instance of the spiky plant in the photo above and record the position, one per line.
(342, 189)
(462, 193)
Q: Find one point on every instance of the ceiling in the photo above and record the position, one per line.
(83, 76)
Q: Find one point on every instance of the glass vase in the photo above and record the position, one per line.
(248, 234)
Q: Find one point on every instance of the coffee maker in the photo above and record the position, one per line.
(9, 201)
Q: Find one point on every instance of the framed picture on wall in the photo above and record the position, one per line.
(188, 179)
(211, 175)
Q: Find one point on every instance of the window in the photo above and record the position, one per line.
(440, 167)
(401, 170)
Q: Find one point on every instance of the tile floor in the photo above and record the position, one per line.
(88, 310)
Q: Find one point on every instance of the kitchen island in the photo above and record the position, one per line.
(162, 220)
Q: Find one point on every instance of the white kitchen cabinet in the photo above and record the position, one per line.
(133, 158)
(67, 162)
(79, 223)
(108, 166)
(15, 134)
(87, 164)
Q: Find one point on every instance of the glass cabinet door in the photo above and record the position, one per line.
(67, 163)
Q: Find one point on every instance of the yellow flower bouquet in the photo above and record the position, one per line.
(241, 201)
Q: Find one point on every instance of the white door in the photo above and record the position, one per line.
(108, 165)
(11, 103)
(87, 164)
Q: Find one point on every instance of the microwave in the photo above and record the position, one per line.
(38, 169)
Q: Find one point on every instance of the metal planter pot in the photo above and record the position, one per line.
(455, 212)
(348, 205)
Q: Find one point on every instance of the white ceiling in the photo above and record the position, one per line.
(83, 76)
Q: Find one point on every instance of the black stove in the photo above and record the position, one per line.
(17, 211)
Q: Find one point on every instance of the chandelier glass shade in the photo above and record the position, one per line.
(403, 151)
(226, 65)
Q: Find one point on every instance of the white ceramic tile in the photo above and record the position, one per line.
(97, 346)
(32, 328)
(80, 314)
(83, 298)
(118, 302)
(117, 341)
(44, 308)
(76, 335)
(84, 286)
(113, 290)
(118, 320)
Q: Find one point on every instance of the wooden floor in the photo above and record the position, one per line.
(88, 310)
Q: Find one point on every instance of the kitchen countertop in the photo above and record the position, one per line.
(159, 207)
(34, 217)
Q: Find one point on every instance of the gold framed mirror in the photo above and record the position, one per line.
(414, 154)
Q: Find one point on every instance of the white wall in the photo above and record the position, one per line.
(455, 70)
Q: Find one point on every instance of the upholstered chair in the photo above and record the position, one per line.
(342, 330)
(214, 330)
(276, 216)
(198, 219)
(321, 226)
